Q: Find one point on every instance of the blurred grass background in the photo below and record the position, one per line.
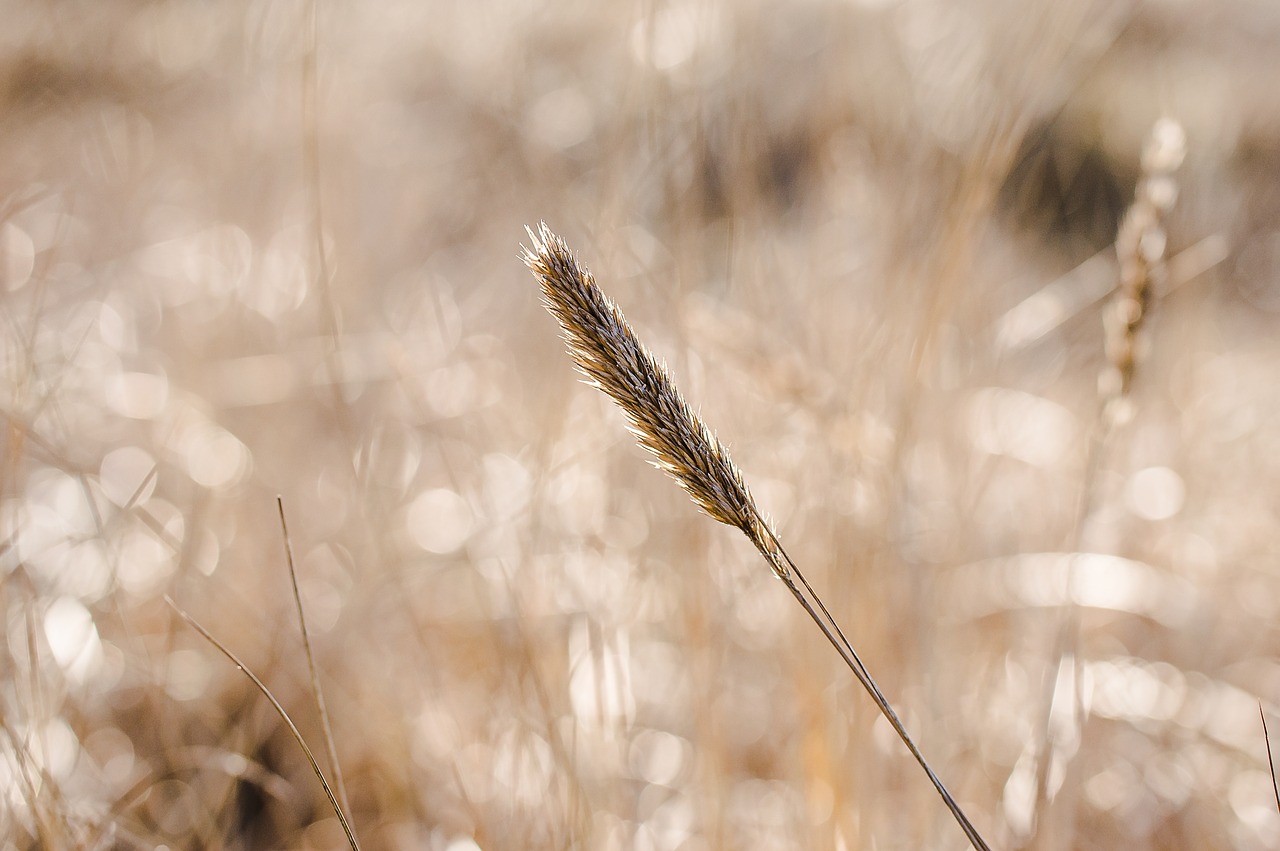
(260, 248)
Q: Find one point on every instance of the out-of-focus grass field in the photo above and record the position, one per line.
(261, 248)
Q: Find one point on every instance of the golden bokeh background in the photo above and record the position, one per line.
(263, 247)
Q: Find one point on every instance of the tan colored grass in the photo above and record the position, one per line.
(1141, 244)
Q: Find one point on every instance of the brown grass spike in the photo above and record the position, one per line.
(608, 352)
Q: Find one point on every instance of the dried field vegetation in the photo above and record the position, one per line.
(261, 248)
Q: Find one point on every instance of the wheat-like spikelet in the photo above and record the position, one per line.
(608, 352)
(1140, 249)
(613, 358)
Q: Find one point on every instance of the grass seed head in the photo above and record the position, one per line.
(1140, 250)
(612, 358)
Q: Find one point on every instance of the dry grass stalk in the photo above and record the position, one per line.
(330, 746)
(1140, 250)
(608, 352)
(1271, 762)
(338, 810)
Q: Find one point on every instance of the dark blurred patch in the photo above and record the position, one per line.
(34, 81)
(250, 823)
(1063, 188)
(711, 194)
(253, 822)
(776, 171)
(786, 168)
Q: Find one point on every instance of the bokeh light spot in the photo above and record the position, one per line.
(73, 637)
(1020, 425)
(1156, 493)
(439, 521)
(215, 458)
(140, 395)
(17, 257)
(128, 476)
(187, 674)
